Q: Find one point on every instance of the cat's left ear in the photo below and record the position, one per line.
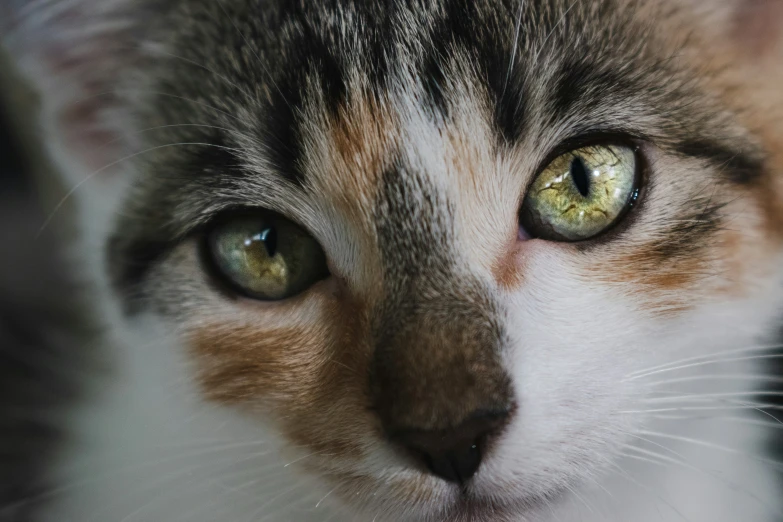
(78, 54)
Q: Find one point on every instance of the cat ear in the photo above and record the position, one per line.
(77, 54)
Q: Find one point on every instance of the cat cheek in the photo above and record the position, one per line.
(508, 269)
(297, 375)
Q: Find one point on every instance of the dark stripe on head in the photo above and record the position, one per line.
(741, 166)
(279, 130)
(484, 36)
(309, 59)
(433, 78)
(581, 81)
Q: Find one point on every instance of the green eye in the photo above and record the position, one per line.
(581, 194)
(267, 257)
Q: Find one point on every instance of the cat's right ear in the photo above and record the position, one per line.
(77, 54)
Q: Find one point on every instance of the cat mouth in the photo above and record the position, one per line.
(424, 500)
(492, 503)
(472, 507)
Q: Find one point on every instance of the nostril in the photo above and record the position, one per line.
(457, 465)
(454, 454)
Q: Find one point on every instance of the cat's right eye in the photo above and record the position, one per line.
(266, 256)
(582, 194)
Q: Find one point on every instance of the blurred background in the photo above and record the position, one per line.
(41, 318)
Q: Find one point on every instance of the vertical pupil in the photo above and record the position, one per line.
(580, 176)
(269, 238)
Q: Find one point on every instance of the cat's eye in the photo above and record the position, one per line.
(266, 256)
(582, 193)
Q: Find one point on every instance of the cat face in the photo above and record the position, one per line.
(432, 245)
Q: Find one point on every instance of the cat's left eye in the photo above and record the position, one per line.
(582, 193)
(266, 256)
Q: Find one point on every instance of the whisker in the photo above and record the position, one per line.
(719, 395)
(514, 48)
(778, 465)
(768, 414)
(649, 490)
(644, 459)
(154, 486)
(87, 178)
(306, 457)
(720, 376)
(766, 406)
(661, 446)
(241, 89)
(740, 420)
(255, 494)
(687, 465)
(683, 363)
(552, 31)
(271, 501)
(324, 498)
(152, 92)
(133, 467)
(581, 499)
(171, 126)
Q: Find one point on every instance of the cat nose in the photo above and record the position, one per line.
(455, 454)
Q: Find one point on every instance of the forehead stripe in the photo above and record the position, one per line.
(740, 166)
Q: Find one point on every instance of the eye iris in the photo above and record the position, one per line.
(269, 259)
(581, 193)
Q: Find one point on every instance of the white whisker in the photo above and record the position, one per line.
(514, 48)
(719, 395)
(649, 490)
(778, 465)
(90, 176)
(724, 356)
(552, 31)
(718, 377)
(324, 498)
(715, 475)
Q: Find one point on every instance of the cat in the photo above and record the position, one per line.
(402, 260)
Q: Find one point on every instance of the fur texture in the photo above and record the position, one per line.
(402, 135)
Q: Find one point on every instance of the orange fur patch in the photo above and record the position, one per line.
(349, 152)
(507, 270)
(312, 376)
